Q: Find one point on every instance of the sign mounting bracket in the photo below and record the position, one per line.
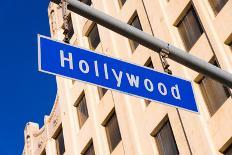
(164, 54)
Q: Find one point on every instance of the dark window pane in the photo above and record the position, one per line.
(217, 5)
(147, 102)
(122, 2)
(166, 141)
(215, 94)
(82, 111)
(60, 143)
(113, 132)
(101, 92)
(228, 150)
(43, 152)
(70, 28)
(88, 2)
(94, 38)
(150, 65)
(190, 29)
(90, 150)
(135, 23)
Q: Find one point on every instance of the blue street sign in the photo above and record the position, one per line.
(58, 58)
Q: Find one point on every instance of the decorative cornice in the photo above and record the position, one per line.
(39, 132)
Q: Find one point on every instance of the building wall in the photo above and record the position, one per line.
(195, 134)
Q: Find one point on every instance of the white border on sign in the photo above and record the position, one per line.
(39, 53)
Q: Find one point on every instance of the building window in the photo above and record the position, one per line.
(214, 93)
(69, 31)
(217, 5)
(43, 152)
(82, 111)
(90, 150)
(135, 23)
(150, 65)
(228, 151)
(60, 143)
(190, 29)
(113, 132)
(165, 140)
(87, 2)
(101, 91)
(70, 27)
(93, 37)
(121, 2)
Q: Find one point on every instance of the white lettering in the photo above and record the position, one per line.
(106, 71)
(69, 59)
(118, 77)
(177, 94)
(146, 81)
(96, 68)
(86, 70)
(134, 81)
(164, 91)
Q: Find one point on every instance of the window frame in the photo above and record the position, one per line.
(205, 95)
(131, 42)
(147, 64)
(43, 152)
(108, 134)
(87, 147)
(230, 45)
(77, 103)
(165, 122)
(121, 4)
(55, 137)
(101, 91)
(94, 25)
(188, 46)
(214, 6)
(70, 25)
(228, 150)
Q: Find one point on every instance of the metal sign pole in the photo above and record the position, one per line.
(150, 42)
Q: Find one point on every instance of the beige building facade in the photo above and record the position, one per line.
(88, 120)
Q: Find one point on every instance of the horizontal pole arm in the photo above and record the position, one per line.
(151, 42)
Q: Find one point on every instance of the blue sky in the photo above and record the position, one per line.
(25, 94)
